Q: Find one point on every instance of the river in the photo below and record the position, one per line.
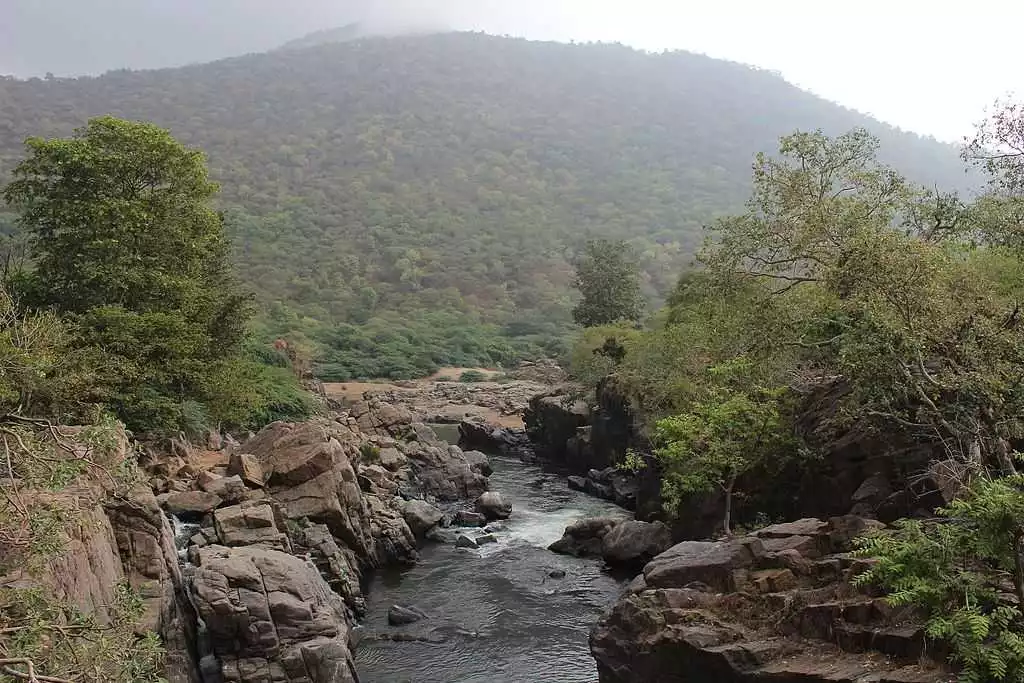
(496, 615)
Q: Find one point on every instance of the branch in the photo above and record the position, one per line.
(29, 675)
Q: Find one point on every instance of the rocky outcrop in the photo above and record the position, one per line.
(585, 537)
(627, 544)
(443, 472)
(777, 605)
(552, 419)
(270, 616)
(343, 499)
(421, 516)
(632, 544)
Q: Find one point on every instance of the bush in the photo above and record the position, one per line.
(954, 571)
(470, 376)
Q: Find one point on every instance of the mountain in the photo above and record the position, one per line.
(404, 202)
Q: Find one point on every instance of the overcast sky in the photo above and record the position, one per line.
(932, 67)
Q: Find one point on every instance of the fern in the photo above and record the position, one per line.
(951, 570)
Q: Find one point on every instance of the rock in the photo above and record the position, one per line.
(710, 562)
(680, 636)
(556, 574)
(421, 516)
(380, 480)
(338, 565)
(577, 483)
(444, 472)
(228, 489)
(467, 518)
(270, 616)
(552, 419)
(249, 524)
(493, 506)
(190, 505)
(214, 440)
(246, 466)
(585, 537)
(634, 544)
(438, 535)
(145, 543)
(399, 615)
(464, 541)
(392, 459)
(802, 527)
(484, 539)
(478, 462)
(205, 479)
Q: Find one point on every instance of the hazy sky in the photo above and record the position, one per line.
(932, 67)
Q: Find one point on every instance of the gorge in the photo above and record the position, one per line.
(336, 550)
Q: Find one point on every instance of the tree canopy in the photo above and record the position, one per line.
(434, 189)
(127, 251)
(608, 280)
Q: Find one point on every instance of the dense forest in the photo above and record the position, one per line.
(847, 305)
(401, 203)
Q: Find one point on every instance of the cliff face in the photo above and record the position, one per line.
(773, 606)
(857, 470)
(259, 577)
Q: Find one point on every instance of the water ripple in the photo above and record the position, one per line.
(496, 616)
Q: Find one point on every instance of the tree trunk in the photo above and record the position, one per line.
(727, 519)
(1006, 465)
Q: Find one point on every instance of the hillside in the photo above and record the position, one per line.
(406, 202)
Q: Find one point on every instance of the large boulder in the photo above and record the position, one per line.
(252, 523)
(247, 466)
(310, 473)
(421, 516)
(552, 420)
(633, 544)
(492, 506)
(585, 537)
(444, 472)
(337, 564)
(271, 617)
(711, 563)
(190, 505)
(478, 462)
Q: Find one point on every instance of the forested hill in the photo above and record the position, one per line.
(430, 190)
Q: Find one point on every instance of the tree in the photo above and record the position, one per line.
(738, 426)
(609, 281)
(127, 247)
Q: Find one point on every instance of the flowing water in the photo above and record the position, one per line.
(496, 615)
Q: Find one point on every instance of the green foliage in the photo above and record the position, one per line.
(369, 452)
(127, 250)
(634, 463)
(595, 352)
(738, 426)
(63, 642)
(470, 376)
(608, 279)
(953, 571)
(840, 274)
(402, 177)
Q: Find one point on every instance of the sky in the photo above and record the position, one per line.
(930, 67)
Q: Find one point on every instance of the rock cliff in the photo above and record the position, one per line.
(776, 605)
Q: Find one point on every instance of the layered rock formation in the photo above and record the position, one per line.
(776, 605)
(259, 578)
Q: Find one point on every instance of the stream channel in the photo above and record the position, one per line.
(496, 614)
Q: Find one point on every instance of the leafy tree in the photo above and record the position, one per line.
(608, 279)
(126, 246)
(738, 426)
